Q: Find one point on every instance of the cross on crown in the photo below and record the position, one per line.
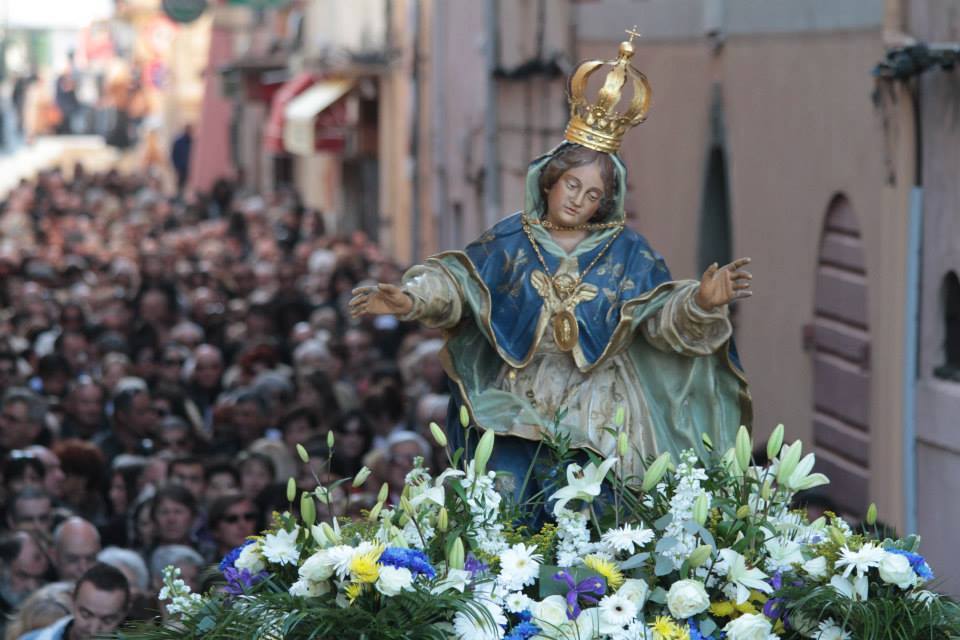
(633, 33)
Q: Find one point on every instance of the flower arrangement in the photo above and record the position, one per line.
(696, 548)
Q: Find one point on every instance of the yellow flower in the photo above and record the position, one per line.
(663, 628)
(747, 607)
(682, 633)
(723, 609)
(606, 570)
(353, 591)
(364, 568)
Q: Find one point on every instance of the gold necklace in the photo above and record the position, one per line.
(566, 333)
(587, 226)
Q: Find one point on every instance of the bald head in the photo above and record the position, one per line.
(76, 544)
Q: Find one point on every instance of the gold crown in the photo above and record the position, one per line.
(598, 126)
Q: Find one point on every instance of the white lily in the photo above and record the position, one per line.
(582, 483)
(800, 479)
(745, 579)
(856, 589)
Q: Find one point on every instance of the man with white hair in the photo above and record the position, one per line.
(76, 544)
(131, 564)
(180, 556)
(402, 448)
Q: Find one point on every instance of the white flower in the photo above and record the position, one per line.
(469, 628)
(456, 580)
(636, 630)
(583, 483)
(317, 567)
(749, 626)
(549, 613)
(801, 479)
(870, 555)
(627, 537)
(830, 630)
(782, 554)
(816, 568)
(517, 602)
(687, 598)
(857, 589)
(617, 610)
(634, 590)
(250, 559)
(309, 589)
(339, 558)
(896, 569)
(281, 547)
(744, 579)
(393, 580)
(519, 566)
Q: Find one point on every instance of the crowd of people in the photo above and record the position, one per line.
(160, 361)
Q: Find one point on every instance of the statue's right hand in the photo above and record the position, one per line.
(380, 300)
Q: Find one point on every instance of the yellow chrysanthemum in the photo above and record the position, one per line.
(747, 607)
(364, 568)
(606, 570)
(723, 609)
(353, 591)
(663, 628)
(682, 633)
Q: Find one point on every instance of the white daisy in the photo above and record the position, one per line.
(830, 630)
(339, 557)
(519, 566)
(281, 547)
(869, 555)
(517, 602)
(627, 537)
(616, 610)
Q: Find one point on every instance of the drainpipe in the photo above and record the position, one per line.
(413, 160)
(491, 178)
(441, 196)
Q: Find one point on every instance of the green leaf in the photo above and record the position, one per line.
(659, 595)
(707, 627)
(634, 561)
(664, 566)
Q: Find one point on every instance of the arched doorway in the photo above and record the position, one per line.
(839, 340)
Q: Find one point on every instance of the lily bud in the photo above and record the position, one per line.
(872, 514)
(789, 458)
(303, 453)
(456, 558)
(406, 506)
(700, 555)
(443, 520)
(775, 442)
(700, 509)
(330, 439)
(329, 533)
(655, 471)
(836, 535)
(482, 455)
(707, 441)
(291, 489)
(361, 477)
(743, 449)
(623, 444)
(322, 494)
(404, 519)
(619, 416)
(438, 434)
(384, 492)
(766, 489)
(464, 417)
(308, 509)
(375, 512)
(743, 512)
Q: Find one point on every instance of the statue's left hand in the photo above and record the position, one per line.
(723, 285)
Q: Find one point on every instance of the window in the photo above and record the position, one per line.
(715, 243)
(950, 301)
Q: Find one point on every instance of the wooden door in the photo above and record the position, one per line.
(839, 340)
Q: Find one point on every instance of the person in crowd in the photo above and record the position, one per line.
(124, 488)
(174, 511)
(22, 420)
(24, 568)
(182, 557)
(232, 518)
(53, 476)
(99, 605)
(402, 450)
(175, 436)
(31, 509)
(83, 468)
(354, 438)
(76, 544)
(221, 478)
(85, 409)
(188, 472)
(257, 471)
(42, 608)
(133, 425)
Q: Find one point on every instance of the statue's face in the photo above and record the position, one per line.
(575, 198)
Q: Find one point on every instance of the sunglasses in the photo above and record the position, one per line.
(234, 518)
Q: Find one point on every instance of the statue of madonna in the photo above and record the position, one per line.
(562, 310)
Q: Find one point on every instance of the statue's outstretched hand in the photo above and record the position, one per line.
(723, 285)
(379, 300)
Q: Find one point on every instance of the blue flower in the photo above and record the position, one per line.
(229, 560)
(525, 615)
(474, 566)
(523, 631)
(917, 562)
(413, 559)
(240, 581)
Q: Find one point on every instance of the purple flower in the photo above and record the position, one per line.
(239, 581)
(585, 590)
(474, 566)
